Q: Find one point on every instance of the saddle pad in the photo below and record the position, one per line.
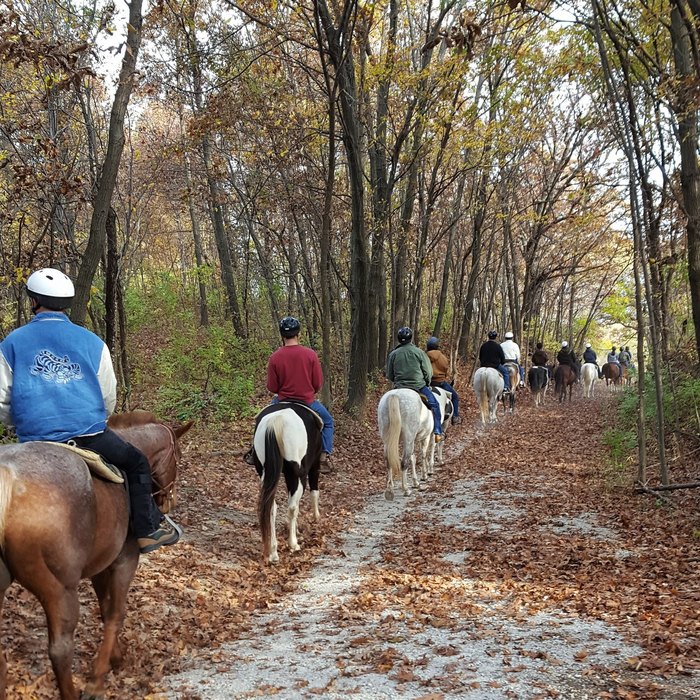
(95, 463)
(318, 418)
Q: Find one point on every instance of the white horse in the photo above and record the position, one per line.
(589, 374)
(402, 416)
(488, 386)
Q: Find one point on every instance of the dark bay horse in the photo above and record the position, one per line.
(537, 379)
(613, 375)
(58, 525)
(287, 441)
(564, 376)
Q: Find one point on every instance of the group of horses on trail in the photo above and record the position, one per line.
(84, 528)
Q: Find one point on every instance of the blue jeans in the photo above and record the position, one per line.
(434, 407)
(455, 398)
(328, 430)
(506, 375)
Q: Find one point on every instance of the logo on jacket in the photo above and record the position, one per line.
(59, 370)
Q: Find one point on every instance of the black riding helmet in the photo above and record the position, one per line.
(433, 343)
(289, 327)
(492, 334)
(404, 335)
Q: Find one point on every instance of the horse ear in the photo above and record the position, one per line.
(180, 430)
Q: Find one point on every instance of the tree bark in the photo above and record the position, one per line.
(687, 115)
(110, 168)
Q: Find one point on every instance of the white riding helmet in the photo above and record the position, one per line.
(564, 344)
(509, 335)
(51, 288)
(588, 345)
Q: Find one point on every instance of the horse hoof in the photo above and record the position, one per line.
(273, 559)
(389, 495)
(407, 492)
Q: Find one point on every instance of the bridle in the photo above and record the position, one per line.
(167, 491)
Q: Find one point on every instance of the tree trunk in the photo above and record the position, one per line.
(687, 115)
(110, 167)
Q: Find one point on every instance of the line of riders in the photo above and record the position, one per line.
(294, 373)
(57, 383)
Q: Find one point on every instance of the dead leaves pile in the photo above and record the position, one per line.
(188, 600)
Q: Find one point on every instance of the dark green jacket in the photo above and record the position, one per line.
(408, 367)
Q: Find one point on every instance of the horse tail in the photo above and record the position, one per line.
(274, 462)
(483, 396)
(559, 380)
(6, 479)
(393, 433)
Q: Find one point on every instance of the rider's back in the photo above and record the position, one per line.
(408, 366)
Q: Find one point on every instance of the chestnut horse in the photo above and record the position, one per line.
(564, 376)
(613, 374)
(59, 525)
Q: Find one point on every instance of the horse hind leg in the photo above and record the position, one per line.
(62, 608)
(111, 587)
(293, 515)
(3, 661)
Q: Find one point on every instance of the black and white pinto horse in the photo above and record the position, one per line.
(538, 379)
(287, 441)
(405, 421)
(488, 385)
(444, 399)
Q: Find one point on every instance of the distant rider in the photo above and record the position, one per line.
(491, 355)
(408, 367)
(511, 351)
(441, 366)
(539, 357)
(589, 355)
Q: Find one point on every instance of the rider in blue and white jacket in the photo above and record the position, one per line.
(57, 383)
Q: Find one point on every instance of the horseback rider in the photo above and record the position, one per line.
(624, 357)
(57, 383)
(539, 357)
(294, 374)
(441, 366)
(491, 355)
(565, 356)
(612, 357)
(589, 355)
(408, 367)
(511, 351)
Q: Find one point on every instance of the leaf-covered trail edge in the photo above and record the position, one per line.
(189, 600)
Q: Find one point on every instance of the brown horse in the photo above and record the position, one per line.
(564, 376)
(613, 374)
(58, 525)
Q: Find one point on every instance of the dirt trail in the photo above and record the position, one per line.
(505, 576)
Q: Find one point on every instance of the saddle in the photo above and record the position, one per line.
(293, 402)
(97, 466)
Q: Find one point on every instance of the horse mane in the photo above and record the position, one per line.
(129, 419)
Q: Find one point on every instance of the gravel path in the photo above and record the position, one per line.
(348, 631)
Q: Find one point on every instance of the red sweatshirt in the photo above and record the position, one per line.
(294, 372)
